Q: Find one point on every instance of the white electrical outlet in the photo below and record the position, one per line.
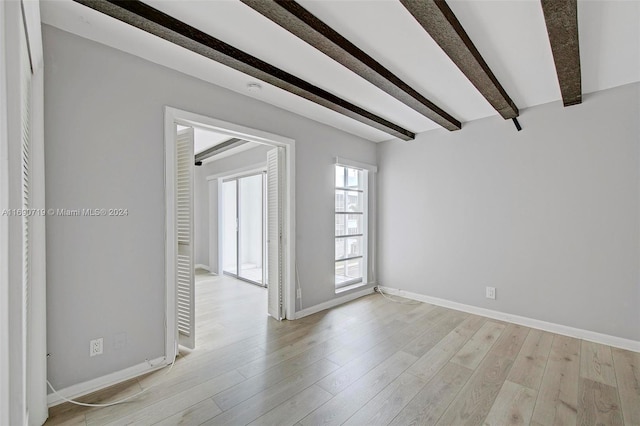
(490, 293)
(299, 293)
(95, 347)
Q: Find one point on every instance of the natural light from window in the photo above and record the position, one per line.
(350, 225)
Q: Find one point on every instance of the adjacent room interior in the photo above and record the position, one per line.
(319, 212)
(230, 236)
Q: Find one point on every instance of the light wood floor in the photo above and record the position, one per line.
(371, 362)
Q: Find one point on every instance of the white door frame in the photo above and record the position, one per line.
(173, 116)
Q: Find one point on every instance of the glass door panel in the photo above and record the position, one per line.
(250, 222)
(230, 227)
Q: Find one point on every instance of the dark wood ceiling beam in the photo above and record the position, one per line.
(297, 20)
(146, 18)
(561, 17)
(439, 21)
(219, 148)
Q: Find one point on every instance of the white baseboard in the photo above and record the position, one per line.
(333, 302)
(591, 336)
(94, 385)
(201, 266)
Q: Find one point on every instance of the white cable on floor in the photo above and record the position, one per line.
(109, 404)
(379, 290)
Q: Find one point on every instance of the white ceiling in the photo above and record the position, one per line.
(204, 139)
(510, 34)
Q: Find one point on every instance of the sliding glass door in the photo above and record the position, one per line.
(251, 228)
(243, 228)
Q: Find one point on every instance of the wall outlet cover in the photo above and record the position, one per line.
(490, 293)
(96, 347)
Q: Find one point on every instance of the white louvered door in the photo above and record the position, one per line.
(184, 232)
(25, 87)
(275, 169)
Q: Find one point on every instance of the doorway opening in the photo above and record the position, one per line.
(268, 220)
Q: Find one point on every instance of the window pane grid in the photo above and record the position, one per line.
(349, 258)
(349, 201)
(349, 189)
(349, 226)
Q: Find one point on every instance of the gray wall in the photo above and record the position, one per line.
(104, 115)
(549, 215)
(206, 200)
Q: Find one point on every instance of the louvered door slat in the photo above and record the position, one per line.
(26, 195)
(184, 230)
(274, 232)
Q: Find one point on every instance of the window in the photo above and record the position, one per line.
(350, 226)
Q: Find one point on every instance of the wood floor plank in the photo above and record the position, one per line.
(434, 398)
(256, 384)
(386, 405)
(436, 358)
(361, 344)
(427, 320)
(474, 351)
(270, 398)
(474, 401)
(295, 335)
(306, 342)
(598, 404)
(164, 386)
(199, 367)
(513, 406)
(362, 306)
(596, 363)
(74, 419)
(349, 373)
(179, 402)
(377, 331)
(295, 408)
(558, 395)
(262, 364)
(412, 313)
(434, 333)
(338, 409)
(529, 365)
(68, 413)
(357, 341)
(194, 415)
(627, 367)
(510, 341)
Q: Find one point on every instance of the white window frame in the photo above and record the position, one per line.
(366, 169)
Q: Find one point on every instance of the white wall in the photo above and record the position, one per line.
(550, 216)
(206, 204)
(104, 148)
